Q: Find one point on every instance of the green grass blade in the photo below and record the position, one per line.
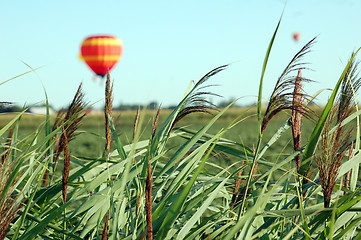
(12, 178)
(47, 122)
(348, 165)
(358, 237)
(175, 209)
(345, 203)
(189, 144)
(52, 226)
(245, 221)
(117, 142)
(183, 150)
(222, 144)
(9, 124)
(190, 223)
(259, 102)
(280, 131)
(23, 216)
(48, 193)
(56, 212)
(32, 70)
(163, 133)
(94, 214)
(307, 235)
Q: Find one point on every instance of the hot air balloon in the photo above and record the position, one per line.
(101, 53)
(296, 36)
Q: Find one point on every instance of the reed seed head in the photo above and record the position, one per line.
(287, 86)
(108, 113)
(70, 121)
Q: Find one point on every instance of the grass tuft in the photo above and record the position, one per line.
(9, 206)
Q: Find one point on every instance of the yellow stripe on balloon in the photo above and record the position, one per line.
(102, 58)
(102, 41)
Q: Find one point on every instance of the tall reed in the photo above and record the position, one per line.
(70, 123)
(281, 99)
(149, 184)
(9, 206)
(287, 93)
(335, 143)
(296, 116)
(108, 114)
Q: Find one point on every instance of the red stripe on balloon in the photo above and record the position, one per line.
(100, 52)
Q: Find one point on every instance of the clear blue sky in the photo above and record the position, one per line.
(169, 43)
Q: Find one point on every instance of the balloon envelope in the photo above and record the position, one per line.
(101, 53)
(296, 36)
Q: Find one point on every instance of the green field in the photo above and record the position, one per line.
(90, 141)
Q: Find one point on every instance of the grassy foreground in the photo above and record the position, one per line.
(282, 171)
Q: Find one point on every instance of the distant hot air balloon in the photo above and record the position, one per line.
(101, 53)
(296, 36)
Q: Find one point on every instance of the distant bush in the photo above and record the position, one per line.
(9, 107)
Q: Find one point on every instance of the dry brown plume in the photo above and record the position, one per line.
(66, 169)
(237, 186)
(296, 116)
(348, 174)
(136, 122)
(335, 144)
(106, 225)
(283, 93)
(332, 155)
(196, 102)
(148, 200)
(71, 121)
(108, 113)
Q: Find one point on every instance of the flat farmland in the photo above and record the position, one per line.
(89, 141)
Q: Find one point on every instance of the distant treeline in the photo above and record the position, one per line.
(155, 105)
(10, 107)
(151, 106)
